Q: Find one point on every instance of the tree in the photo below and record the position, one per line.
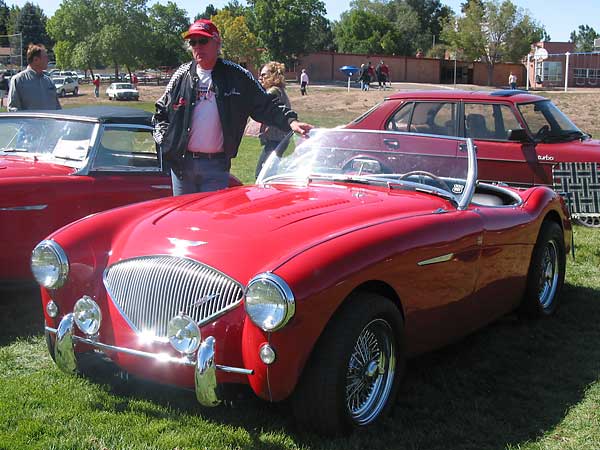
(360, 31)
(208, 13)
(492, 32)
(167, 23)
(283, 27)
(4, 18)
(31, 23)
(70, 28)
(583, 38)
(238, 42)
(321, 35)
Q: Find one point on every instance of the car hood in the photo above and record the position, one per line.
(28, 166)
(575, 151)
(247, 230)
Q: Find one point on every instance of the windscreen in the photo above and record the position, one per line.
(60, 140)
(436, 164)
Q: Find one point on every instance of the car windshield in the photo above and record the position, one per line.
(62, 141)
(123, 86)
(548, 123)
(58, 80)
(441, 166)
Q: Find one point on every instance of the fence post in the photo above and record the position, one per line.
(567, 71)
(528, 60)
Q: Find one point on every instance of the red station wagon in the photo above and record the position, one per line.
(522, 139)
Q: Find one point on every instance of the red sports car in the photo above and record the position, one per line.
(522, 139)
(354, 250)
(60, 166)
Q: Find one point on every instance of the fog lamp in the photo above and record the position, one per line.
(184, 334)
(87, 315)
(267, 354)
(52, 309)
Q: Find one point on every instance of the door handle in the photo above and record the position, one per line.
(392, 143)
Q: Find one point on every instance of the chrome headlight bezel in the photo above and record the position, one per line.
(60, 264)
(269, 316)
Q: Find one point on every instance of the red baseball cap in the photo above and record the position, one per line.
(202, 27)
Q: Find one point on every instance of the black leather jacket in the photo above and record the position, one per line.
(239, 96)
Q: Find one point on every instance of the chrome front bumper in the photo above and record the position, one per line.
(205, 369)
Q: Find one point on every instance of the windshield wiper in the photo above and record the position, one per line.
(350, 179)
(569, 135)
(14, 149)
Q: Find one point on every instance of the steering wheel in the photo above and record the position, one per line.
(422, 173)
(544, 129)
(367, 164)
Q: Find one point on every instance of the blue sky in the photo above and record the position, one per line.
(560, 17)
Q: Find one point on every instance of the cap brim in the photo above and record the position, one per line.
(190, 34)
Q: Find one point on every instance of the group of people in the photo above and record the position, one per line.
(200, 119)
(368, 74)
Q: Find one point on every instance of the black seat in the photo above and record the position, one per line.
(476, 127)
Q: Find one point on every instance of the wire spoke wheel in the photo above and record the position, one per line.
(548, 275)
(371, 371)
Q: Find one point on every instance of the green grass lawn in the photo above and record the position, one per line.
(515, 384)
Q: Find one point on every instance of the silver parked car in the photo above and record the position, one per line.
(66, 85)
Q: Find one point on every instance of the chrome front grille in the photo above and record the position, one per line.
(150, 290)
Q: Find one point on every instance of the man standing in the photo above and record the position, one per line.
(303, 81)
(96, 83)
(200, 119)
(512, 81)
(32, 88)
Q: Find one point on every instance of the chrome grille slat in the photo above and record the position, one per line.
(150, 290)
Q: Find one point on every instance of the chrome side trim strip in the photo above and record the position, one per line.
(161, 186)
(25, 208)
(162, 357)
(436, 260)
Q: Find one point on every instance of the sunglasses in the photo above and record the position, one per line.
(200, 41)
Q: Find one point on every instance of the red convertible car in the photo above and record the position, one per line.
(354, 250)
(59, 166)
(522, 139)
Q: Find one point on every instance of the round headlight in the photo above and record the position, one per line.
(49, 264)
(269, 302)
(87, 315)
(184, 334)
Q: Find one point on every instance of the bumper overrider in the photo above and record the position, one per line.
(62, 342)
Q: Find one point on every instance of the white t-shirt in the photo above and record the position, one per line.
(206, 134)
(304, 77)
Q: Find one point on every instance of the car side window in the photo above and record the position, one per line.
(434, 118)
(399, 121)
(489, 121)
(126, 149)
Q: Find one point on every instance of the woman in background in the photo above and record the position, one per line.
(273, 80)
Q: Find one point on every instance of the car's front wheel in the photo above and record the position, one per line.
(546, 272)
(353, 375)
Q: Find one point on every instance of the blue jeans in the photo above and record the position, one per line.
(201, 175)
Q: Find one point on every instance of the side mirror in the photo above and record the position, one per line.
(518, 135)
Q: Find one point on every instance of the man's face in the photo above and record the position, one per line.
(41, 62)
(205, 51)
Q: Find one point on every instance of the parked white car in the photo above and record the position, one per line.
(66, 85)
(122, 91)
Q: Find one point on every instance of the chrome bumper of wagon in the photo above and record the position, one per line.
(205, 369)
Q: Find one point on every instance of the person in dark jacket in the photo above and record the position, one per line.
(200, 119)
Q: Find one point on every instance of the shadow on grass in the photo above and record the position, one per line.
(20, 312)
(506, 385)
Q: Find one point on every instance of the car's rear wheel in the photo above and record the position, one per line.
(546, 272)
(75, 92)
(62, 93)
(592, 221)
(352, 377)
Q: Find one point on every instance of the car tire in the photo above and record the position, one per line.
(61, 93)
(321, 402)
(546, 274)
(75, 92)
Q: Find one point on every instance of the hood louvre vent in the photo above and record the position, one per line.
(150, 290)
